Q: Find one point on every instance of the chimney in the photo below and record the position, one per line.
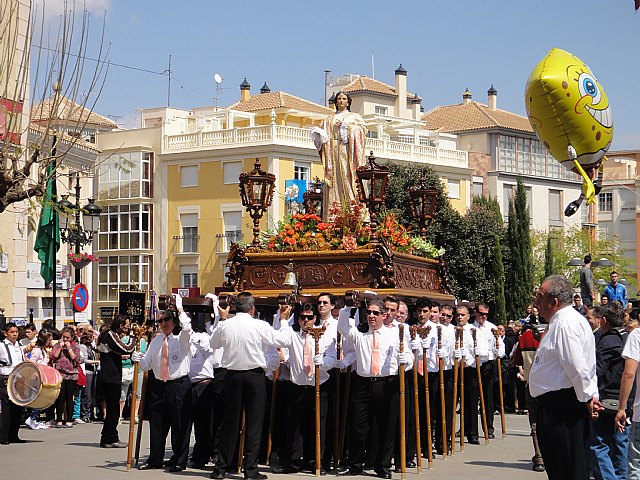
(466, 97)
(492, 94)
(245, 90)
(401, 91)
(415, 104)
(265, 89)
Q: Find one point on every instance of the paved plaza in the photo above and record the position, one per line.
(74, 453)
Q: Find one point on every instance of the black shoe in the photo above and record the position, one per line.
(538, 467)
(198, 465)
(168, 464)
(382, 472)
(175, 469)
(473, 441)
(348, 471)
(217, 474)
(285, 469)
(17, 440)
(256, 476)
(149, 466)
(491, 436)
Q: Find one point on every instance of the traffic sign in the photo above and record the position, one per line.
(80, 297)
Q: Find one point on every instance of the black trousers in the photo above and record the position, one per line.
(112, 404)
(436, 406)
(374, 401)
(10, 414)
(64, 402)
(299, 448)
(563, 434)
(219, 375)
(202, 403)
(489, 372)
(409, 423)
(328, 445)
(243, 389)
(169, 409)
(471, 399)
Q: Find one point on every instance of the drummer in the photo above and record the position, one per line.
(10, 414)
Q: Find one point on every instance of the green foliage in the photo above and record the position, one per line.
(568, 243)
(548, 258)
(520, 277)
(498, 306)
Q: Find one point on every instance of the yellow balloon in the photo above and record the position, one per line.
(569, 111)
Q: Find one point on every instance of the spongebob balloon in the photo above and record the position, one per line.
(570, 113)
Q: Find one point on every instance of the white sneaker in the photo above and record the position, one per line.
(31, 423)
(41, 426)
(79, 421)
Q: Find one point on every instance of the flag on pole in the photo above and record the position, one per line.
(48, 236)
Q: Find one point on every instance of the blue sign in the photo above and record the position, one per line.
(80, 297)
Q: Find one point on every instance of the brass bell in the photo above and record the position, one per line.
(291, 279)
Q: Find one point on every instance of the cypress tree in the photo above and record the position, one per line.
(515, 264)
(499, 309)
(548, 258)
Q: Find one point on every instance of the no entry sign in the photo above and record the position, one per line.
(80, 297)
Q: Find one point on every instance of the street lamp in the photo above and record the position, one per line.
(423, 201)
(603, 262)
(313, 197)
(256, 193)
(372, 189)
(576, 262)
(73, 232)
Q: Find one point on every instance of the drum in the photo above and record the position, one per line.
(34, 385)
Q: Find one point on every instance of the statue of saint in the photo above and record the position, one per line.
(340, 142)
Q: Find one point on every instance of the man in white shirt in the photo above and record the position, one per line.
(487, 352)
(169, 356)
(10, 414)
(244, 339)
(563, 379)
(374, 390)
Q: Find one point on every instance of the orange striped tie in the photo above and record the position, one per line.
(375, 355)
(164, 364)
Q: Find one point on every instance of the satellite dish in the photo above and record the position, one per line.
(217, 78)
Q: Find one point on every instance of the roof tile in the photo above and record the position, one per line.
(473, 116)
(267, 101)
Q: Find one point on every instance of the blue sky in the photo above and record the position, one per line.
(446, 46)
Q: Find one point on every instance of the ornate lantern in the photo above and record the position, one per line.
(372, 189)
(313, 197)
(423, 201)
(256, 193)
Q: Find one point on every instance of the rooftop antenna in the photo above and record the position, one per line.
(218, 79)
(373, 67)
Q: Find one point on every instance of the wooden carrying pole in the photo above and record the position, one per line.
(403, 415)
(483, 411)
(416, 401)
(424, 333)
(454, 405)
(138, 332)
(443, 405)
(462, 365)
(337, 453)
(499, 363)
(143, 394)
(243, 427)
(272, 411)
(317, 332)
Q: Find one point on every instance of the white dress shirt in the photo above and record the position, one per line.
(179, 351)
(388, 346)
(202, 355)
(467, 342)
(566, 357)
(244, 340)
(295, 342)
(11, 355)
(488, 341)
(632, 350)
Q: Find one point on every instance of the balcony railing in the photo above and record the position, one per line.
(186, 244)
(299, 137)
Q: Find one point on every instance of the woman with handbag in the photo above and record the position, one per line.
(65, 357)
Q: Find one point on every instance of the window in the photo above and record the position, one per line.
(189, 176)
(189, 276)
(453, 187)
(507, 194)
(381, 110)
(301, 171)
(524, 156)
(555, 208)
(125, 175)
(605, 202)
(232, 228)
(124, 227)
(232, 171)
(478, 183)
(627, 200)
(507, 153)
(189, 223)
(117, 272)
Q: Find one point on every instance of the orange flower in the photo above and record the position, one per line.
(298, 226)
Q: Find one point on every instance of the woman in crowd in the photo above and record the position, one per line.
(65, 358)
(88, 409)
(39, 354)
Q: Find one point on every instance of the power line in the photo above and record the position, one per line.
(106, 62)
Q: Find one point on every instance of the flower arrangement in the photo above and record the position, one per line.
(82, 257)
(347, 229)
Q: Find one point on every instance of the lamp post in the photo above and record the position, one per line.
(372, 190)
(423, 201)
(313, 197)
(73, 232)
(256, 193)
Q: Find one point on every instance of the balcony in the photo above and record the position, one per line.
(299, 137)
(186, 245)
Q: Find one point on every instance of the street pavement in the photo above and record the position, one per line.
(75, 453)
